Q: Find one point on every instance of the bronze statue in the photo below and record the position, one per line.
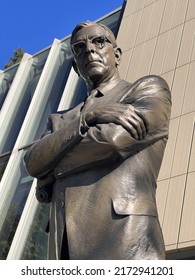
(103, 158)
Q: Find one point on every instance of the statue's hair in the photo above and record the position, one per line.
(87, 23)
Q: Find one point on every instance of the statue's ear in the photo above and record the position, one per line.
(74, 64)
(118, 54)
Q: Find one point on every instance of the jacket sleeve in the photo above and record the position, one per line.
(42, 157)
(151, 97)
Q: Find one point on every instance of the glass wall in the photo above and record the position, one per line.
(19, 100)
(15, 201)
(37, 102)
(37, 241)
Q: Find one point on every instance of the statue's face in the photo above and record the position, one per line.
(94, 54)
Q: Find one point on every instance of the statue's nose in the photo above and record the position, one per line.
(89, 47)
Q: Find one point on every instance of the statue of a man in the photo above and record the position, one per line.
(104, 155)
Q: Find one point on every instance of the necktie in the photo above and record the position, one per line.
(90, 100)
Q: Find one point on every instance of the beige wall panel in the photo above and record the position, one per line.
(178, 90)
(173, 210)
(159, 54)
(187, 230)
(144, 24)
(169, 56)
(183, 145)
(123, 34)
(129, 9)
(169, 78)
(187, 44)
(189, 98)
(172, 49)
(133, 6)
(192, 57)
(146, 58)
(171, 248)
(169, 11)
(180, 12)
(192, 156)
(166, 166)
(138, 5)
(161, 196)
(123, 68)
(156, 18)
(128, 30)
(191, 10)
(186, 245)
(132, 73)
(148, 2)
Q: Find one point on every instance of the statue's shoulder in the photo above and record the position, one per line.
(151, 81)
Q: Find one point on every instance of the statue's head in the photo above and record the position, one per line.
(95, 52)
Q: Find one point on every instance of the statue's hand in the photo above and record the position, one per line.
(121, 114)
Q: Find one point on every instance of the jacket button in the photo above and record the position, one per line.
(62, 204)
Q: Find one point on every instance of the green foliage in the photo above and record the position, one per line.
(37, 241)
(8, 230)
(18, 54)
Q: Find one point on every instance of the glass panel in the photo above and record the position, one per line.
(6, 79)
(65, 63)
(16, 180)
(66, 47)
(112, 21)
(24, 99)
(38, 235)
(79, 94)
(3, 163)
(11, 215)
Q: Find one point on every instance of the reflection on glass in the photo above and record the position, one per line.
(55, 95)
(19, 183)
(13, 213)
(3, 163)
(38, 236)
(80, 93)
(112, 21)
(20, 110)
(6, 80)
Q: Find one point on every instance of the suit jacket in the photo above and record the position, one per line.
(105, 180)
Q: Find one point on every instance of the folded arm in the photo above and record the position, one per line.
(143, 120)
(42, 157)
(110, 140)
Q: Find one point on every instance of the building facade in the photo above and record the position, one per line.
(156, 37)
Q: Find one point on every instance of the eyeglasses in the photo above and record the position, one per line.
(98, 42)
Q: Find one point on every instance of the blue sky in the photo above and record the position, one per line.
(33, 25)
